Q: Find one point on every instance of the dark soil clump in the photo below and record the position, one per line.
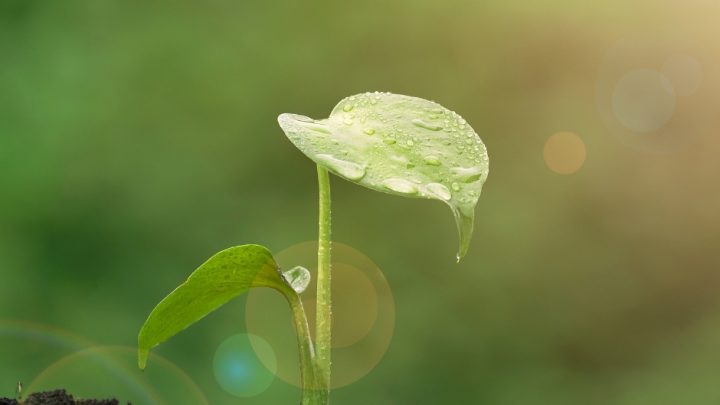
(57, 397)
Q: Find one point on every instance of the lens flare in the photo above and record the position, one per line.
(111, 372)
(238, 368)
(643, 100)
(363, 314)
(685, 74)
(564, 153)
(654, 97)
(27, 348)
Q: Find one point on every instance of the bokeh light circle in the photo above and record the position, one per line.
(355, 305)
(363, 314)
(239, 370)
(564, 153)
(652, 95)
(643, 100)
(684, 72)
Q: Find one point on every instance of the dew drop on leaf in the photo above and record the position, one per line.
(468, 174)
(439, 190)
(422, 124)
(400, 186)
(349, 170)
(432, 160)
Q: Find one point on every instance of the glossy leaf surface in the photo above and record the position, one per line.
(400, 145)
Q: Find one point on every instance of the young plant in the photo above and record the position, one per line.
(392, 143)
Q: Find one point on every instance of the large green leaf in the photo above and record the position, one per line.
(221, 278)
(400, 145)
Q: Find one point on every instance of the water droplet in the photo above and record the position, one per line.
(422, 124)
(349, 170)
(464, 218)
(455, 186)
(348, 107)
(439, 191)
(400, 186)
(369, 131)
(468, 174)
(410, 142)
(432, 160)
(298, 278)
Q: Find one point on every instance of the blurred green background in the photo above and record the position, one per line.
(138, 138)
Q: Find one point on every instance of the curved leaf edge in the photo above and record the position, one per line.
(271, 277)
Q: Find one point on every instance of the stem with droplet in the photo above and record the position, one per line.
(323, 331)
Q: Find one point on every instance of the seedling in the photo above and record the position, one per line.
(386, 142)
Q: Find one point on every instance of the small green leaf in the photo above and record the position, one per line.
(220, 279)
(399, 145)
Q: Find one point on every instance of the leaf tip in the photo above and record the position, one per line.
(283, 118)
(142, 358)
(461, 252)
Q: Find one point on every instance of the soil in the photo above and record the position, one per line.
(57, 397)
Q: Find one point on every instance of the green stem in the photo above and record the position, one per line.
(323, 326)
(313, 392)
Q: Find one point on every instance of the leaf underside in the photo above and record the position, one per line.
(220, 279)
(399, 145)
